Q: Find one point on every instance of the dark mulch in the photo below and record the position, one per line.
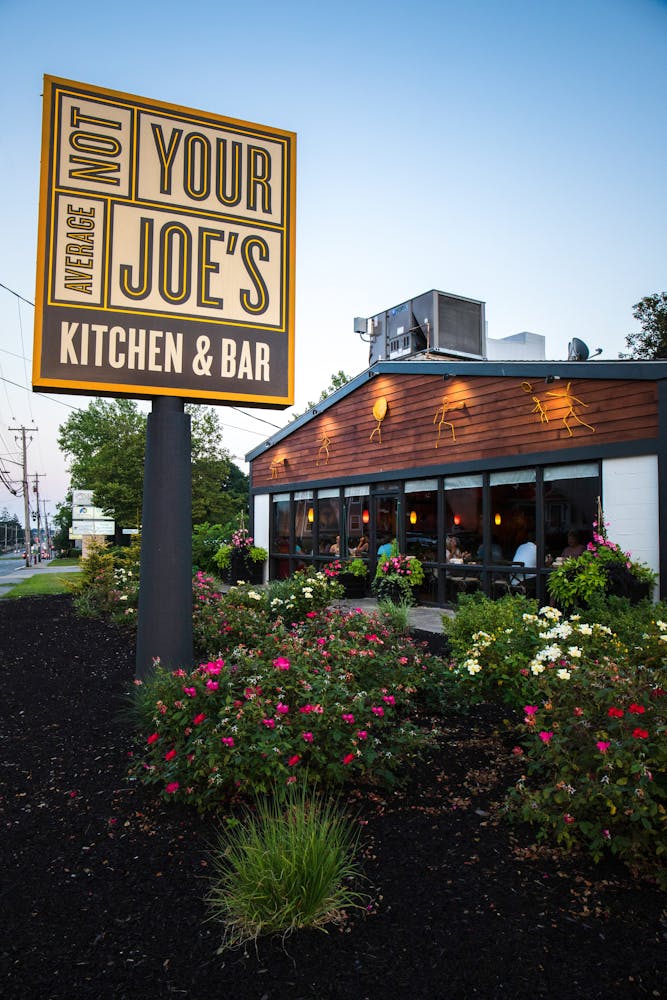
(102, 886)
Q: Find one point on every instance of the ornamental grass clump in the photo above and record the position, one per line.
(289, 864)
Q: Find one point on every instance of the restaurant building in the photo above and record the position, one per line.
(493, 454)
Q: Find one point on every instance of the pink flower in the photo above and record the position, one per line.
(348, 717)
(269, 723)
(348, 758)
(212, 685)
(281, 663)
(377, 710)
(179, 673)
(306, 709)
(389, 699)
(214, 668)
(153, 738)
(172, 787)
(294, 760)
(308, 737)
(191, 692)
(198, 719)
(227, 741)
(362, 734)
(603, 745)
(282, 709)
(170, 754)
(530, 709)
(568, 818)
(517, 751)
(545, 737)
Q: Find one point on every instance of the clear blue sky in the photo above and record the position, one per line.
(514, 152)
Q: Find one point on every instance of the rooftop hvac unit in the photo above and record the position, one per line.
(434, 321)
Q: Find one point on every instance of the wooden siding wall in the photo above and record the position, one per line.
(499, 416)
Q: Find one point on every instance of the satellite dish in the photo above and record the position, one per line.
(577, 350)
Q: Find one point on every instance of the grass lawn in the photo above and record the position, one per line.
(42, 585)
(66, 561)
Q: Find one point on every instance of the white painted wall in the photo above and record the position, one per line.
(261, 512)
(630, 493)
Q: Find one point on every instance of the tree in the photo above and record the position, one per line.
(651, 342)
(338, 380)
(106, 443)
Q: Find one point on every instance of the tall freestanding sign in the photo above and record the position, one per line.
(165, 271)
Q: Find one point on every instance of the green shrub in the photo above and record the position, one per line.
(506, 662)
(288, 865)
(596, 752)
(333, 695)
(206, 541)
(603, 569)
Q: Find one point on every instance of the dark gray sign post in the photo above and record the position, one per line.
(165, 593)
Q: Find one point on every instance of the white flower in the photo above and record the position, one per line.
(529, 618)
(574, 652)
(585, 629)
(661, 625)
(563, 675)
(552, 613)
(254, 596)
(551, 653)
(472, 666)
(536, 667)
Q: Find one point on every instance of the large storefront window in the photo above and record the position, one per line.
(280, 535)
(570, 506)
(421, 519)
(512, 513)
(358, 517)
(463, 514)
(328, 521)
(304, 518)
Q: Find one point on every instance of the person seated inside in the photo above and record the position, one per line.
(384, 551)
(496, 552)
(574, 547)
(453, 552)
(526, 554)
(335, 548)
(361, 548)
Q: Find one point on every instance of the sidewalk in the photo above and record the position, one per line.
(428, 619)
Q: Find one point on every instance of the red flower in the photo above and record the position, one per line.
(640, 734)
(616, 713)
(153, 738)
(172, 787)
(198, 719)
(636, 709)
(348, 758)
(293, 760)
(170, 754)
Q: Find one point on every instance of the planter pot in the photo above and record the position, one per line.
(244, 569)
(354, 586)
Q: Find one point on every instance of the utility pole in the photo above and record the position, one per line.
(46, 528)
(26, 490)
(35, 490)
